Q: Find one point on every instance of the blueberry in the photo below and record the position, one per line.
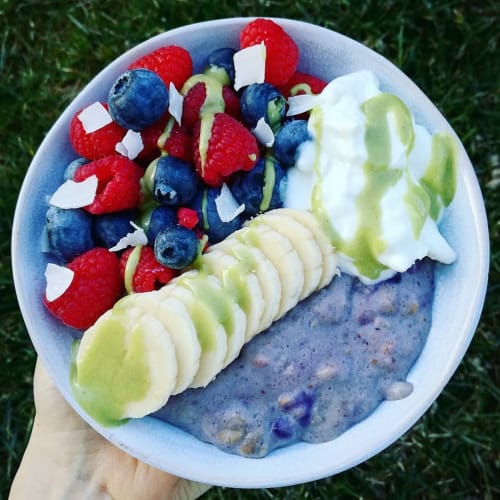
(221, 60)
(176, 247)
(161, 218)
(137, 99)
(300, 407)
(282, 427)
(287, 141)
(110, 228)
(72, 167)
(211, 223)
(262, 188)
(262, 100)
(175, 181)
(69, 232)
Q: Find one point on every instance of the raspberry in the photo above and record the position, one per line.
(176, 141)
(282, 53)
(119, 183)
(195, 100)
(192, 104)
(230, 147)
(150, 136)
(170, 63)
(231, 102)
(187, 217)
(302, 83)
(96, 286)
(95, 144)
(149, 274)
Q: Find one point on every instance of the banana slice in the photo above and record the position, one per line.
(239, 282)
(330, 259)
(302, 239)
(284, 257)
(174, 315)
(228, 313)
(211, 334)
(124, 369)
(266, 274)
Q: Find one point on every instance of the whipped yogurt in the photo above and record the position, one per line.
(378, 182)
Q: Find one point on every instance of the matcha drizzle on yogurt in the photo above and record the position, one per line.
(376, 181)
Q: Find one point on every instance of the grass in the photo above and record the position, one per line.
(49, 49)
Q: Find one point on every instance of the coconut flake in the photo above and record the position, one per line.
(300, 104)
(227, 206)
(132, 239)
(176, 102)
(249, 66)
(59, 279)
(94, 117)
(131, 145)
(264, 133)
(73, 194)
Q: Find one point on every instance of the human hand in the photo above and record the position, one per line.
(66, 458)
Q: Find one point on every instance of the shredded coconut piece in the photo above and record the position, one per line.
(176, 101)
(249, 66)
(300, 104)
(264, 133)
(131, 145)
(59, 279)
(94, 117)
(227, 206)
(73, 194)
(132, 239)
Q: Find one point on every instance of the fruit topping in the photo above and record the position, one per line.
(119, 183)
(302, 83)
(95, 287)
(187, 217)
(176, 247)
(69, 232)
(142, 272)
(287, 141)
(282, 53)
(262, 188)
(175, 181)
(110, 228)
(173, 64)
(262, 100)
(137, 99)
(220, 63)
(161, 217)
(97, 142)
(222, 146)
(211, 222)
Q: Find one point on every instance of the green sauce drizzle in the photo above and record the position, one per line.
(113, 372)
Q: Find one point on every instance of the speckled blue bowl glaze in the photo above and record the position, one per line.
(459, 296)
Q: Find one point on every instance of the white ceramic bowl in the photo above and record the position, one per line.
(457, 306)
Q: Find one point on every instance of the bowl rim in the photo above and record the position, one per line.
(268, 473)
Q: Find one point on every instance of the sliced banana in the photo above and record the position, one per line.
(266, 274)
(284, 257)
(209, 289)
(240, 282)
(211, 334)
(106, 372)
(330, 259)
(174, 315)
(302, 239)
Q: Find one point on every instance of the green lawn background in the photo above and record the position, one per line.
(50, 49)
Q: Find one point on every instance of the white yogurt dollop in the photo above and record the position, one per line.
(377, 181)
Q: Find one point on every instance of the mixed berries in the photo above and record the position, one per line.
(179, 162)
